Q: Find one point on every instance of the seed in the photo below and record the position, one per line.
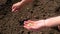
(30, 24)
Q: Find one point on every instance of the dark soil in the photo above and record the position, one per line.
(12, 23)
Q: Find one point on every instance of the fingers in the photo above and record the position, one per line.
(26, 22)
(27, 27)
(14, 8)
(17, 6)
(31, 28)
(29, 22)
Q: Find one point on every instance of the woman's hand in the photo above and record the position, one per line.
(19, 5)
(34, 25)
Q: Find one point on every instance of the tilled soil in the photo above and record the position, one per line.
(12, 23)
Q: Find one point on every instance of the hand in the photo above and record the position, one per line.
(34, 25)
(19, 5)
(16, 6)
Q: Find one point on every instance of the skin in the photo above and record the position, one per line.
(54, 21)
(17, 6)
(40, 24)
(36, 25)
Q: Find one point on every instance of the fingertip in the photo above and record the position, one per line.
(12, 7)
(25, 22)
(27, 28)
(12, 10)
(15, 10)
(24, 26)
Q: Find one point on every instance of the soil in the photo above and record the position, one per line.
(12, 23)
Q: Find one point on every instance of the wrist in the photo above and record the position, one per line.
(49, 23)
(21, 3)
(41, 23)
(27, 1)
(46, 23)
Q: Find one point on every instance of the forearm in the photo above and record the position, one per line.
(52, 21)
(26, 1)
